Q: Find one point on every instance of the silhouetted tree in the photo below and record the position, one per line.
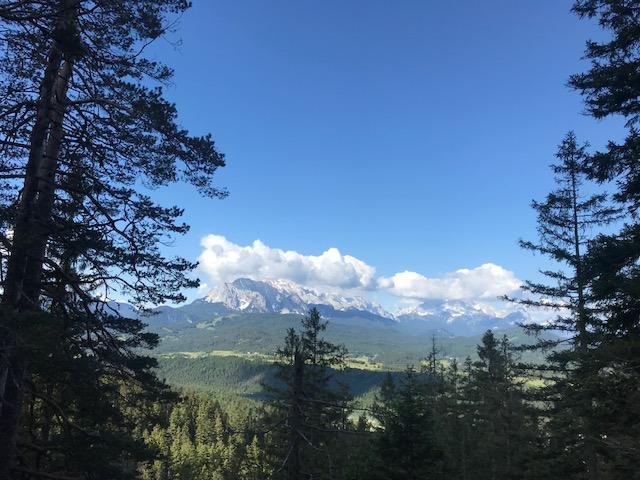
(611, 88)
(310, 409)
(82, 126)
(568, 220)
(504, 433)
(406, 446)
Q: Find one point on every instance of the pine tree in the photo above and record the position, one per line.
(81, 125)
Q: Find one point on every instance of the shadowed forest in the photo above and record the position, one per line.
(87, 135)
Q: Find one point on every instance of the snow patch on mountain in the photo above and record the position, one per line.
(284, 296)
(462, 318)
(455, 309)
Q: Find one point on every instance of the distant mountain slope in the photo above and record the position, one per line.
(243, 372)
(263, 333)
(282, 297)
(246, 317)
(459, 318)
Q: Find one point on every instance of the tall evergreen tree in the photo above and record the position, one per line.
(611, 88)
(310, 409)
(454, 422)
(81, 126)
(406, 446)
(568, 220)
(503, 431)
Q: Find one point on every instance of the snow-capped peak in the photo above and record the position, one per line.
(284, 296)
(460, 317)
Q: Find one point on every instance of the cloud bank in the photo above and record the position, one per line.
(488, 281)
(223, 261)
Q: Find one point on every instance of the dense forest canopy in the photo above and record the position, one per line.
(87, 134)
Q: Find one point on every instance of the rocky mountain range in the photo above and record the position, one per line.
(283, 296)
(248, 296)
(460, 318)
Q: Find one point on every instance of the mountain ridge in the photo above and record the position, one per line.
(282, 297)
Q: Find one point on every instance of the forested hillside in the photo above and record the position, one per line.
(391, 345)
(235, 376)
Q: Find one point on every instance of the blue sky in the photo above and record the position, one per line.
(411, 135)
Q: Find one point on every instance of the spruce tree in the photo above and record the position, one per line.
(611, 89)
(568, 221)
(256, 464)
(309, 409)
(196, 440)
(504, 433)
(406, 446)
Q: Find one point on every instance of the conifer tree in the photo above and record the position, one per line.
(454, 422)
(256, 465)
(310, 409)
(568, 220)
(195, 440)
(505, 436)
(81, 126)
(610, 88)
(406, 447)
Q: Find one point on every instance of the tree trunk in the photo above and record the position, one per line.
(30, 236)
(294, 467)
(590, 450)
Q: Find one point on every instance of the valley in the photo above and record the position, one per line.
(225, 342)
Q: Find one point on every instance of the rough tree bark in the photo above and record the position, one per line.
(31, 231)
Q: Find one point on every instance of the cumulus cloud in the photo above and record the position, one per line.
(487, 281)
(222, 261)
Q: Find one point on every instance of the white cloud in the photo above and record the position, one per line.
(222, 261)
(487, 281)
